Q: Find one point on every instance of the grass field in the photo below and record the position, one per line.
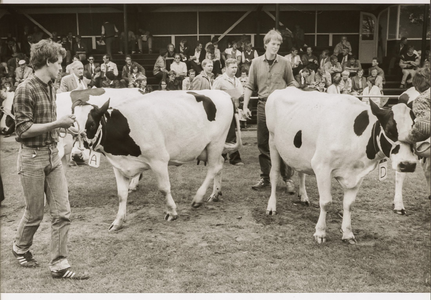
(228, 246)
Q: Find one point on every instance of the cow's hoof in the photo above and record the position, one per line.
(320, 239)
(196, 204)
(170, 217)
(131, 190)
(114, 227)
(214, 198)
(351, 241)
(303, 203)
(271, 212)
(401, 212)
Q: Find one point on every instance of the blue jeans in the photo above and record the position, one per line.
(263, 146)
(41, 173)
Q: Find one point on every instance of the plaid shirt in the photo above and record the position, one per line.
(34, 103)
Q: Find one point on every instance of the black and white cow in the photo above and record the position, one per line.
(334, 136)
(140, 132)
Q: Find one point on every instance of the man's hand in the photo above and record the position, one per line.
(246, 112)
(66, 121)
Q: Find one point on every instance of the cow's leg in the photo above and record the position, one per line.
(122, 188)
(346, 226)
(217, 185)
(134, 183)
(274, 174)
(160, 169)
(215, 164)
(323, 178)
(426, 166)
(398, 199)
(302, 193)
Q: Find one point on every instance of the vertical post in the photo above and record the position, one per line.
(277, 16)
(77, 24)
(126, 31)
(315, 28)
(424, 33)
(197, 25)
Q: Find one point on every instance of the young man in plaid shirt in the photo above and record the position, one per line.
(39, 165)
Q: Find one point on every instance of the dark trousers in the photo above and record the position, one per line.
(161, 76)
(263, 146)
(234, 157)
(198, 68)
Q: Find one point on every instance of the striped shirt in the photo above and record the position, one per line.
(34, 103)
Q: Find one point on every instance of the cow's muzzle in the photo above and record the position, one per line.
(407, 166)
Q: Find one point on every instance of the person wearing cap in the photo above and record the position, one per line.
(22, 72)
(74, 81)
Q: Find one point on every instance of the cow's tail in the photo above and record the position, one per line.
(233, 147)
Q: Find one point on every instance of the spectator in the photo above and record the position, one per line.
(352, 66)
(135, 77)
(333, 66)
(23, 36)
(13, 64)
(96, 79)
(243, 79)
(183, 50)
(372, 89)
(74, 81)
(127, 70)
(90, 68)
(358, 83)
(298, 34)
(233, 52)
(345, 83)
(169, 56)
(54, 37)
(248, 55)
(334, 88)
(144, 36)
(187, 82)
(26, 46)
(172, 83)
(216, 63)
(108, 66)
(143, 87)
(163, 86)
(37, 35)
(400, 49)
(213, 41)
(80, 48)
(71, 42)
(321, 80)
(196, 58)
(310, 61)
(68, 47)
(375, 65)
(109, 33)
(295, 60)
(11, 48)
(344, 56)
(378, 80)
(159, 70)
(180, 69)
(232, 85)
(305, 79)
(204, 80)
(343, 44)
(408, 63)
(324, 58)
(131, 42)
(75, 58)
(268, 73)
(110, 81)
(22, 72)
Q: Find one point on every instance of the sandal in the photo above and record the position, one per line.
(26, 260)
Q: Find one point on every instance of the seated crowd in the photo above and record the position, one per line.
(194, 68)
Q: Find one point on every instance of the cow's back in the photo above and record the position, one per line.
(310, 124)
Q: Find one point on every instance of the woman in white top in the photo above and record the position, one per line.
(294, 59)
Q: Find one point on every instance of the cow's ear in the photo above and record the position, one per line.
(376, 110)
(101, 111)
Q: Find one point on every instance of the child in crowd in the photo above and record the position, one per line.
(142, 84)
(188, 80)
(163, 85)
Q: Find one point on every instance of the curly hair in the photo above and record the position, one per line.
(43, 51)
(421, 80)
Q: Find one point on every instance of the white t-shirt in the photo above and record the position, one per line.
(180, 68)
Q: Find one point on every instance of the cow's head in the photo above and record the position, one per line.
(396, 123)
(89, 118)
